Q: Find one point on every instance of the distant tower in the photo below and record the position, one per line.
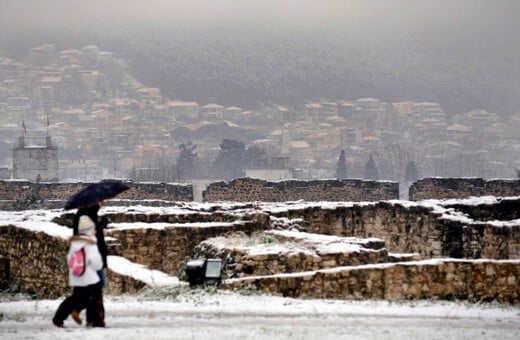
(35, 162)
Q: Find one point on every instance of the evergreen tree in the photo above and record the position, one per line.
(410, 173)
(255, 157)
(229, 162)
(341, 169)
(186, 161)
(371, 171)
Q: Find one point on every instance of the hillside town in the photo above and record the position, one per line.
(101, 122)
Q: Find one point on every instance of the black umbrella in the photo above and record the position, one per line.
(93, 193)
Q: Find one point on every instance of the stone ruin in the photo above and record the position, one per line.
(274, 252)
(454, 249)
(437, 251)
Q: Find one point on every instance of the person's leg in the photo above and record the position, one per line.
(67, 306)
(96, 311)
(95, 308)
(100, 305)
(63, 311)
(100, 322)
(81, 304)
(75, 315)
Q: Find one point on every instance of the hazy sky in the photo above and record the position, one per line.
(463, 42)
(370, 14)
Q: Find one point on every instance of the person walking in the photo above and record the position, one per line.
(85, 282)
(100, 225)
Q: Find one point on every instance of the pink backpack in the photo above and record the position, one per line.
(77, 262)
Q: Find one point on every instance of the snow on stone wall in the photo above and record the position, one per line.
(446, 188)
(161, 238)
(473, 280)
(250, 190)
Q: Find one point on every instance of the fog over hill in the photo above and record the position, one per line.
(463, 54)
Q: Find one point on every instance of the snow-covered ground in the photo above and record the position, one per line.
(184, 313)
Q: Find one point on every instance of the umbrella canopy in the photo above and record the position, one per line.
(93, 193)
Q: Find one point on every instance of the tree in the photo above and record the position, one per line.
(186, 161)
(229, 162)
(410, 173)
(371, 171)
(255, 157)
(341, 169)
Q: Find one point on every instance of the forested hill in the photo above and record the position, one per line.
(248, 66)
(237, 66)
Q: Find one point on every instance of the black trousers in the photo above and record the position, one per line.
(89, 297)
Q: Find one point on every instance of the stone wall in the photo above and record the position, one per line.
(409, 228)
(270, 253)
(35, 263)
(251, 190)
(447, 279)
(4, 272)
(54, 194)
(166, 249)
(497, 209)
(445, 188)
(36, 260)
(53, 191)
(405, 228)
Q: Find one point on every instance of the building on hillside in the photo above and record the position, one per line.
(428, 110)
(105, 60)
(348, 110)
(83, 169)
(183, 110)
(89, 56)
(35, 162)
(42, 55)
(69, 57)
(349, 136)
(212, 111)
(285, 114)
(330, 109)
(152, 94)
(459, 133)
(481, 120)
(122, 106)
(89, 79)
(313, 112)
(232, 113)
(301, 153)
(373, 113)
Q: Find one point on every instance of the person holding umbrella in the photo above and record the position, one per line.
(96, 317)
(101, 224)
(83, 276)
(88, 201)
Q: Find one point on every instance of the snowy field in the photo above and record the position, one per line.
(183, 313)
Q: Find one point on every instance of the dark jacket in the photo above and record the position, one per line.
(101, 223)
